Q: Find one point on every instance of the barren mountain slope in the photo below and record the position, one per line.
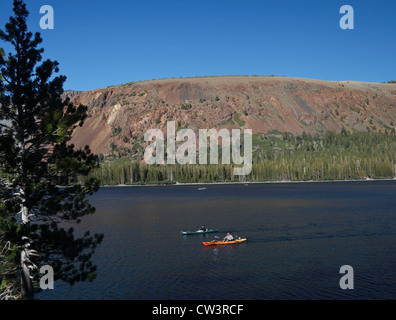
(122, 114)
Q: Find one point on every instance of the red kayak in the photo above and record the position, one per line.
(216, 243)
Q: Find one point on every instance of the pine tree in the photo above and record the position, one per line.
(39, 168)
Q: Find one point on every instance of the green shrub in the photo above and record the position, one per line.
(239, 120)
(186, 106)
(116, 131)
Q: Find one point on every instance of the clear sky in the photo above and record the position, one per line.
(101, 43)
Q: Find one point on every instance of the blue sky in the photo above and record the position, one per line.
(101, 43)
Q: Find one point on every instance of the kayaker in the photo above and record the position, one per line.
(203, 228)
(228, 237)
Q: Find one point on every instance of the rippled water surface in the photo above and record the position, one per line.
(299, 235)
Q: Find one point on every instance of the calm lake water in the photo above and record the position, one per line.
(299, 235)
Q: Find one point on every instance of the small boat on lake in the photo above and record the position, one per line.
(188, 233)
(215, 243)
(201, 189)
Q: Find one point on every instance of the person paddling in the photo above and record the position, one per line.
(228, 237)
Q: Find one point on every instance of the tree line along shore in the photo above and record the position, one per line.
(276, 157)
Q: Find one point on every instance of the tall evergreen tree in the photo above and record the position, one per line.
(39, 169)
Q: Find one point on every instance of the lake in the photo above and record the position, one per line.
(299, 235)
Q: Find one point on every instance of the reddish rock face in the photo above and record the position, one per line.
(122, 114)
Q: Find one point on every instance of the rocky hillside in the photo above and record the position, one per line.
(120, 115)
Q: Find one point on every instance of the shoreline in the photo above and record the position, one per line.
(238, 183)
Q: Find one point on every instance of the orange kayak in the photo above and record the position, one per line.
(215, 243)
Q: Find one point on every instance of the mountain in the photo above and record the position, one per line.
(120, 115)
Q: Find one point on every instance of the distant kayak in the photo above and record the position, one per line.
(187, 233)
(201, 189)
(215, 243)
